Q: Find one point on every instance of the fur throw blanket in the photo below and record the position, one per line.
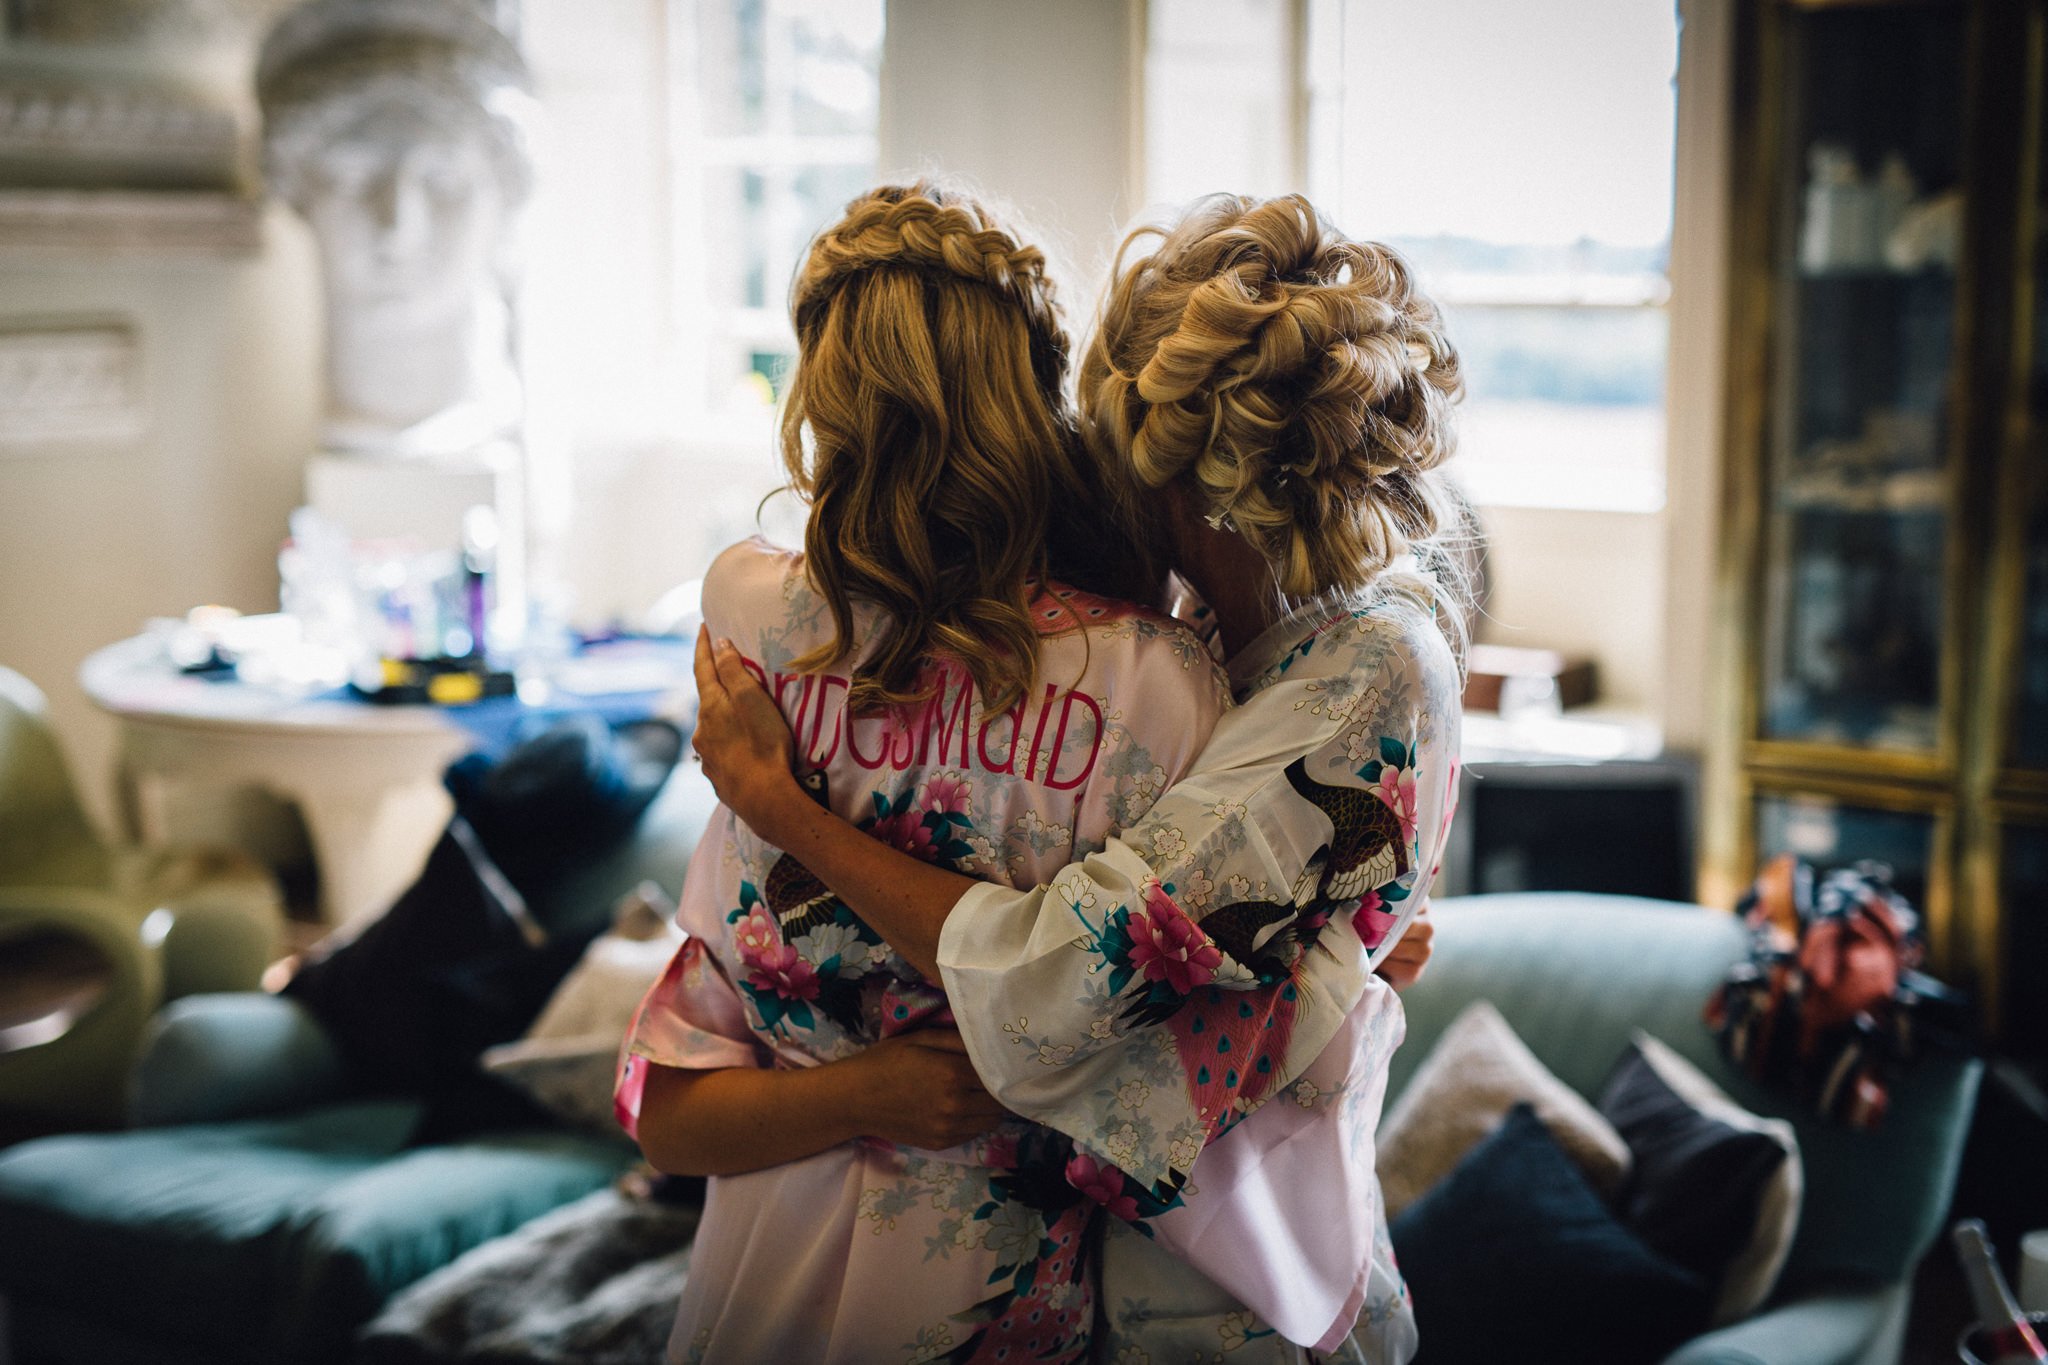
(592, 1283)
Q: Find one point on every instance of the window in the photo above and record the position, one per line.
(1520, 157)
(776, 104)
(695, 147)
(1219, 112)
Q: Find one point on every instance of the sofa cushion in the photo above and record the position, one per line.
(567, 1061)
(1514, 1257)
(309, 1222)
(232, 1055)
(1714, 1187)
(1575, 973)
(594, 1283)
(1474, 1074)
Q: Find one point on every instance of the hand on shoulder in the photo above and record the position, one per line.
(741, 738)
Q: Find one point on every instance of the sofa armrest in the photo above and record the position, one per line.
(211, 1058)
(1844, 1325)
(68, 1066)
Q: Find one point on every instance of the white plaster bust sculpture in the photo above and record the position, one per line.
(399, 130)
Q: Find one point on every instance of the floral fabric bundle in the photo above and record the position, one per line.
(1829, 1000)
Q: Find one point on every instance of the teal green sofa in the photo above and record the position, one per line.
(273, 1238)
(1574, 974)
(255, 1215)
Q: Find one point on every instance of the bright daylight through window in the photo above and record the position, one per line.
(776, 108)
(1520, 156)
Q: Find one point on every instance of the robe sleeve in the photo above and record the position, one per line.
(692, 1018)
(1150, 996)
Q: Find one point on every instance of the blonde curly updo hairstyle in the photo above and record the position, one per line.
(927, 425)
(1295, 382)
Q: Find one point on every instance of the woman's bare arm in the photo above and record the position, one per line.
(746, 749)
(918, 1089)
(741, 1119)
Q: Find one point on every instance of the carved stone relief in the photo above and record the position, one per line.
(69, 383)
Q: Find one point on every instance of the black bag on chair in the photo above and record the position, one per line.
(461, 961)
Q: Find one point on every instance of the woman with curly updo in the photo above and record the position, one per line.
(1195, 1006)
(968, 689)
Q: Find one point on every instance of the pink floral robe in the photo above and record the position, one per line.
(1195, 1005)
(870, 1252)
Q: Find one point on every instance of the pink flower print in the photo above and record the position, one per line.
(757, 935)
(1396, 788)
(906, 833)
(1372, 921)
(999, 1151)
(1170, 947)
(1101, 1182)
(948, 793)
(780, 970)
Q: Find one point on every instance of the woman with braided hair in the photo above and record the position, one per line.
(967, 689)
(1195, 1006)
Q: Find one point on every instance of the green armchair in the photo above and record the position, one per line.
(135, 927)
(1574, 974)
(262, 1209)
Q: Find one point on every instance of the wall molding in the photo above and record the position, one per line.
(75, 382)
(89, 224)
(140, 134)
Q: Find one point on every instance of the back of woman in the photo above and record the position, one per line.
(954, 696)
(1122, 700)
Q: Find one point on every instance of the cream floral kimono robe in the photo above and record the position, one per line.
(1195, 1005)
(870, 1252)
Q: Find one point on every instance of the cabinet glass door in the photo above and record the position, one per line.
(1830, 833)
(2024, 894)
(1857, 479)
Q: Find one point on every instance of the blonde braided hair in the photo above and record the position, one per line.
(1296, 381)
(926, 425)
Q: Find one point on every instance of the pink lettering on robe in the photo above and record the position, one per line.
(826, 682)
(877, 729)
(1037, 735)
(1059, 741)
(1015, 715)
(948, 724)
(941, 730)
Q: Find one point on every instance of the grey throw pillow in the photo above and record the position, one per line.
(1475, 1074)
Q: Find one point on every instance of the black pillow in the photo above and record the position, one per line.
(1512, 1256)
(1695, 1184)
(458, 963)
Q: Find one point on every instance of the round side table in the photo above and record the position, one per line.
(366, 778)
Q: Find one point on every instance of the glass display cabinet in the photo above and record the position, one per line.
(1888, 506)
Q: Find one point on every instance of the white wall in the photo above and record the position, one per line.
(1583, 583)
(95, 538)
(597, 330)
(1223, 98)
(1037, 103)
